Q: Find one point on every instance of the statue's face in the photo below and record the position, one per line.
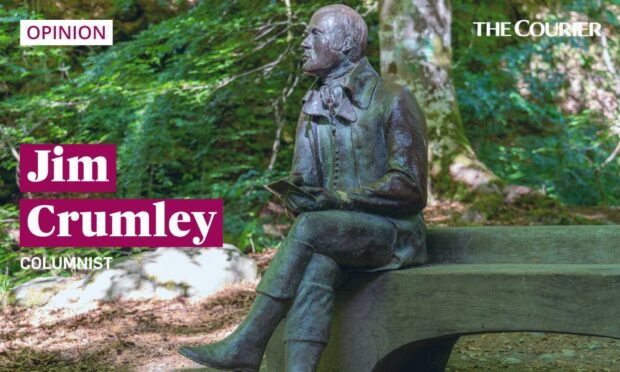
(319, 56)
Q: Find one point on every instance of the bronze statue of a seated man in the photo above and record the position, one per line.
(361, 152)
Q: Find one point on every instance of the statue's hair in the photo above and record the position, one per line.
(353, 25)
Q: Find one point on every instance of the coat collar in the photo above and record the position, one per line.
(360, 83)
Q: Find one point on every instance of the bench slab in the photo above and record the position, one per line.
(408, 320)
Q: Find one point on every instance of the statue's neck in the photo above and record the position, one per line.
(338, 72)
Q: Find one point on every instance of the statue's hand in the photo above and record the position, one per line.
(330, 200)
(323, 200)
(327, 199)
(296, 179)
(316, 191)
(298, 203)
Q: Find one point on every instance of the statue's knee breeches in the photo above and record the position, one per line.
(354, 239)
(290, 263)
(348, 238)
(323, 270)
(308, 227)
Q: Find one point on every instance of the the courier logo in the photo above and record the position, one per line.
(87, 168)
(65, 32)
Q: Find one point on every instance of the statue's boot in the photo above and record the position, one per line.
(243, 349)
(308, 322)
(303, 356)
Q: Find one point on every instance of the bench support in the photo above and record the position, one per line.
(422, 356)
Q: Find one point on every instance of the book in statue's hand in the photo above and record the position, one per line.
(281, 187)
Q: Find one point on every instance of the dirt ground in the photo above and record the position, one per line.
(132, 336)
(144, 336)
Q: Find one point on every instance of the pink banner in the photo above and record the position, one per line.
(67, 168)
(121, 222)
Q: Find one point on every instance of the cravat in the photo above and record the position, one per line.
(330, 100)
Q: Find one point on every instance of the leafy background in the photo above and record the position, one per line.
(196, 94)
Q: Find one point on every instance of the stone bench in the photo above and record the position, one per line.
(563, 279)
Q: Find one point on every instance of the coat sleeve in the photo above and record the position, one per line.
(402, 190)
(303, 169)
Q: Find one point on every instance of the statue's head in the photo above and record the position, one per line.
(336, 35)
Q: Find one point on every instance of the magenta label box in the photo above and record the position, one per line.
(67, 168)
(121, 222)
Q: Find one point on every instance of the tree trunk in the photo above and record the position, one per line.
(416, 52)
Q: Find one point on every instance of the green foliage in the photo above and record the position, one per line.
(8, 250)
(191, 103)
(509, 92)
(27, 70)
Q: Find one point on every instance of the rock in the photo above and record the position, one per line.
(548, 357)
(568, 353)
(13, 233)
(511, 361)
(36, 292)
(162, 274)
(473, 216)
(166, 273)
(512, 193)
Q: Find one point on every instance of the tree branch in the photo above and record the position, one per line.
(611, 68)
(278, 106)
(612, 156)
(280, 102)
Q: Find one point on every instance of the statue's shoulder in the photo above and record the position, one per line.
(396, 96)
(390, 90)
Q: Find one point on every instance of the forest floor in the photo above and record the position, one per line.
(144, 336)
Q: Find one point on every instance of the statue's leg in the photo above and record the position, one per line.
(287, 267)
(244, 348)
(354, 239)
(338, 237)
(308, 320)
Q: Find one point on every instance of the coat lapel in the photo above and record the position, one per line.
(361, 84)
